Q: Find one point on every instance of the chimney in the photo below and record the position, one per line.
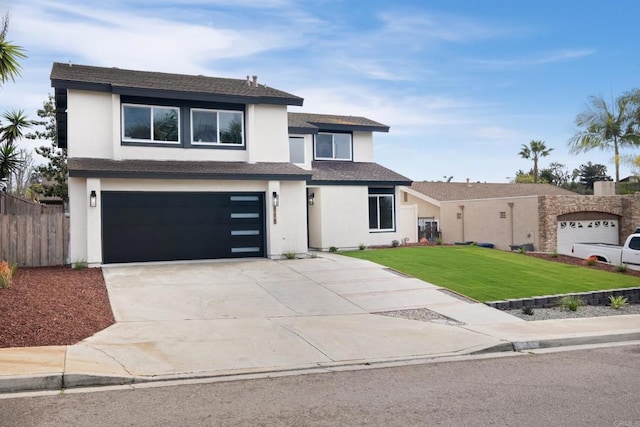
(255, 81)
(248, 80)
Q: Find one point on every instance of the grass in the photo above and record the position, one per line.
(489, 275)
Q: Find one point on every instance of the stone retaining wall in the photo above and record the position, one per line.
(589, 298)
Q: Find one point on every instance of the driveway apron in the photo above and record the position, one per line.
(218, 317)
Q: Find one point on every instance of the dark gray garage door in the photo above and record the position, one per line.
(167, 226)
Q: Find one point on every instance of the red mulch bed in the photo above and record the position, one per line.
(565, 259)
(53, 306)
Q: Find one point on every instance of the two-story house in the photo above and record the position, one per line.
(177, 167)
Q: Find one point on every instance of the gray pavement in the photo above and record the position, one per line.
(220, 318)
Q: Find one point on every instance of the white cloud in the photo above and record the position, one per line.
(536, 59)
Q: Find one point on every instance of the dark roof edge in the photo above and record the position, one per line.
(83, 173)
(159, 93)
(303, 130)
(369, 182)
(363, 128)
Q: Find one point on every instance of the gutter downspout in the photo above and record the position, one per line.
(511, 219)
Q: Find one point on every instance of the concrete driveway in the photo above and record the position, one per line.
(221, 317)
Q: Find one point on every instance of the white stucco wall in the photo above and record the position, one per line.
(363, 146)
(78, 206)
(94, 130)
(267, 138)
(482, 222)
(89, 124)
(340, 218)
(289, 234)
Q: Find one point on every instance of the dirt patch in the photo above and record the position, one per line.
(53, 306)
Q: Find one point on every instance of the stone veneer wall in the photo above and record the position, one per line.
(627, 207)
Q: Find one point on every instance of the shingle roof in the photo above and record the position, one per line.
(447, 191)
(123, 81)
(336, 172)
(311, 123)
(106, 168)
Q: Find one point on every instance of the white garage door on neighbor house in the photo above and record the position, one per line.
(586, 231)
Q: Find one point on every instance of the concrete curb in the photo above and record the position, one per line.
(61, 381)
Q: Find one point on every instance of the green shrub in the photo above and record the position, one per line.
(571, 302)
(554, 254)
(622, 268)
(522, 250)
(439, 241)
(395, 243)
(289, 255)
(362, 246)
(617, 302)
(79, 265)
(333, 249)
(527, 310)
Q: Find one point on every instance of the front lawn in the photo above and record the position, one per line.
(489, 275)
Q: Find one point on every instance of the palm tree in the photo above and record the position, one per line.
(534, 151)
(606, 127)
(17, 123)
(10, 159)
(9, 55)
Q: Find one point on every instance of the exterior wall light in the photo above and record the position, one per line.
(276, 199)
(93, 199)
(312, 198)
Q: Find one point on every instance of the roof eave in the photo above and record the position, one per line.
(87, 173)
(358, 182)
(174, 94)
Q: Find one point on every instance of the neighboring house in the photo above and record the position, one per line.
(176, 167)
(545, 216)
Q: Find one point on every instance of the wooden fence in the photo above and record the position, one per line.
(32, 234)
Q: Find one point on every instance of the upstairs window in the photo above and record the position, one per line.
(333, 146)
(214, 127)
(381, 209)
(296, 149)
(145, 123)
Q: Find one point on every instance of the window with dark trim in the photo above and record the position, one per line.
(147, 123)
(183, 124)
(215, 127)
(381, 209)
(333, 146)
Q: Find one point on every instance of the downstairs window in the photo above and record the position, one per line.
(381, 209)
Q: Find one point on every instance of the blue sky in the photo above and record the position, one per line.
(461, 83)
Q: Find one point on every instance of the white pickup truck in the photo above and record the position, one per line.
(628, 254)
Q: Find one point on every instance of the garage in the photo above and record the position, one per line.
(586, 231)
(169, 226)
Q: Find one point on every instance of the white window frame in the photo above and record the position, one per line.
(333, 147)
(210, 110)
(151, 108)
(393, 213)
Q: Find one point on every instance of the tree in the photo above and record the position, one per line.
(590, 173)
(55, 171)
(10, 160)
(556, 174)
(9, 55)
(534, 151)
(607, 127)
(16, 123)
(22, 180)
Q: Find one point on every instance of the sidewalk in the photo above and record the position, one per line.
(215, 319)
